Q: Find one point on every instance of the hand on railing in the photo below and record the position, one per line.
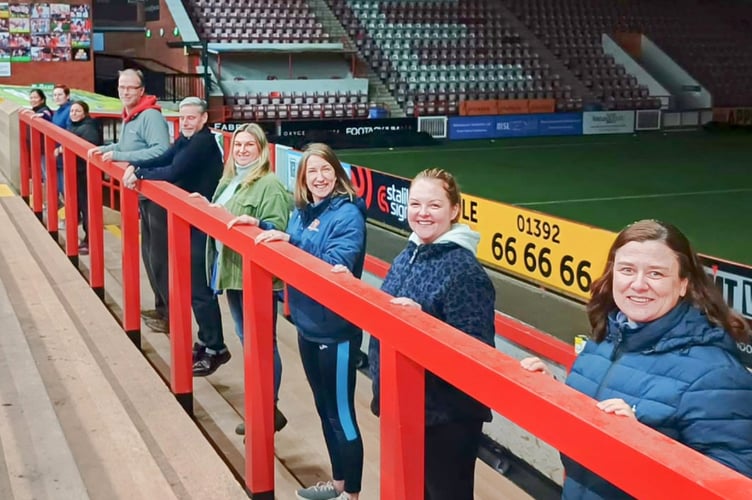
(197, 195)
(272, 235)
(340, 268)
(93, 151)
(407, 302)
(243, 220)
(129, 177)
(618, 406)
(535, 364)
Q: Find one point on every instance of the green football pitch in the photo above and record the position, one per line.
(699, 181)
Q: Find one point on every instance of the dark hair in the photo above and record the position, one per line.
(701, 292)
(449, 183)
(83, 105)
(40, 94)
(62, 86)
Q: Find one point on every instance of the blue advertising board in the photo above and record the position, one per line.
(560, 124)
(501, 126)
(472, 127)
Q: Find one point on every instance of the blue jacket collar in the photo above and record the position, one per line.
(311, 211)
(682, 327)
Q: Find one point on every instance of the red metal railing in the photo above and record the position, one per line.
(634, 457)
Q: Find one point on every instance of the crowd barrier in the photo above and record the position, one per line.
(555, 253)
(632, 456)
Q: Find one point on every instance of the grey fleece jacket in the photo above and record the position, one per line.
(143, 138)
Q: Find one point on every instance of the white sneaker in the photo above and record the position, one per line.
(343, 496)
(320, 491)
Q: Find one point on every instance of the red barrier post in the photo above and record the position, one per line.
(131, 265)
(50, 165)
(259, 380)
(402, 426)
(181, 368)
(96, 229)
(25, 164)
(70, 174)
(36, 172)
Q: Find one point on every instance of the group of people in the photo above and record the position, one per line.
(663, 346)
(72, 115)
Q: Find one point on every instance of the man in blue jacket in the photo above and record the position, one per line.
(194, 163)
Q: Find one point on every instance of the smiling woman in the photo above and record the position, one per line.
(438, 273)
(663, 352)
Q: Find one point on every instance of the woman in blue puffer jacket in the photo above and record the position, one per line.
(329, 223)
(664, 351)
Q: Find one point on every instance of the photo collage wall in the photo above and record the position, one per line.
(44, 32)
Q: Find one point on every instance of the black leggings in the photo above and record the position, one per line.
(451, 450)
(330, 370)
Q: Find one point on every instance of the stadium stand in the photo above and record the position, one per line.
(264, 21)
(708, 39)
(432, 55)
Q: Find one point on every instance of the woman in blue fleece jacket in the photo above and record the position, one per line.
(329, 223)
(664, 352)
(438, 272)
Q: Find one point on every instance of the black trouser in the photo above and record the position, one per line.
(154, 252)
(330, 370)
(203, 300)
(451, 450)
(83, 201)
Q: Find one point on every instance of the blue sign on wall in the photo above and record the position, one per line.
(472, 127)
(496, 127)
(560, 124)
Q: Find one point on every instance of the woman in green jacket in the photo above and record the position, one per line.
(251, 191)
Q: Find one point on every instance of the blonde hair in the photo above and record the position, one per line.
(342, 185)
(448, 182)
(262, 166)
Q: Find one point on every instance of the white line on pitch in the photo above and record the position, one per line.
(636, 197)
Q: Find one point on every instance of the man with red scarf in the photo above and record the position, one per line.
(144, 136)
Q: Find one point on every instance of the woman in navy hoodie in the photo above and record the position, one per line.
(329, 223)
(438, 273)
(664, 352)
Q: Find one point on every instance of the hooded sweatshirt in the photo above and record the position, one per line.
(144, 134)
(333, 230)
(445, 278)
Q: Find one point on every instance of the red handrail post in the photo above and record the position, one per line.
(50, 164)
(403, 426)
(25, 173)
(181, 367)
(36, 172)
(259, 380)
(131, 265)
(70, 176)
(96, 229)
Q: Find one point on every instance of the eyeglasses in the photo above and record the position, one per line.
(128, 88)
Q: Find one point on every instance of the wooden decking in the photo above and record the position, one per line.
(136, 428)
(82, 413)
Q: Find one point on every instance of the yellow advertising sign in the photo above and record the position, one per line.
(557, 253)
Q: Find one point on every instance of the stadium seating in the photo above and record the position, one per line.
(303, 105)
(710, 39)
(262, 21)
(432, 55)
